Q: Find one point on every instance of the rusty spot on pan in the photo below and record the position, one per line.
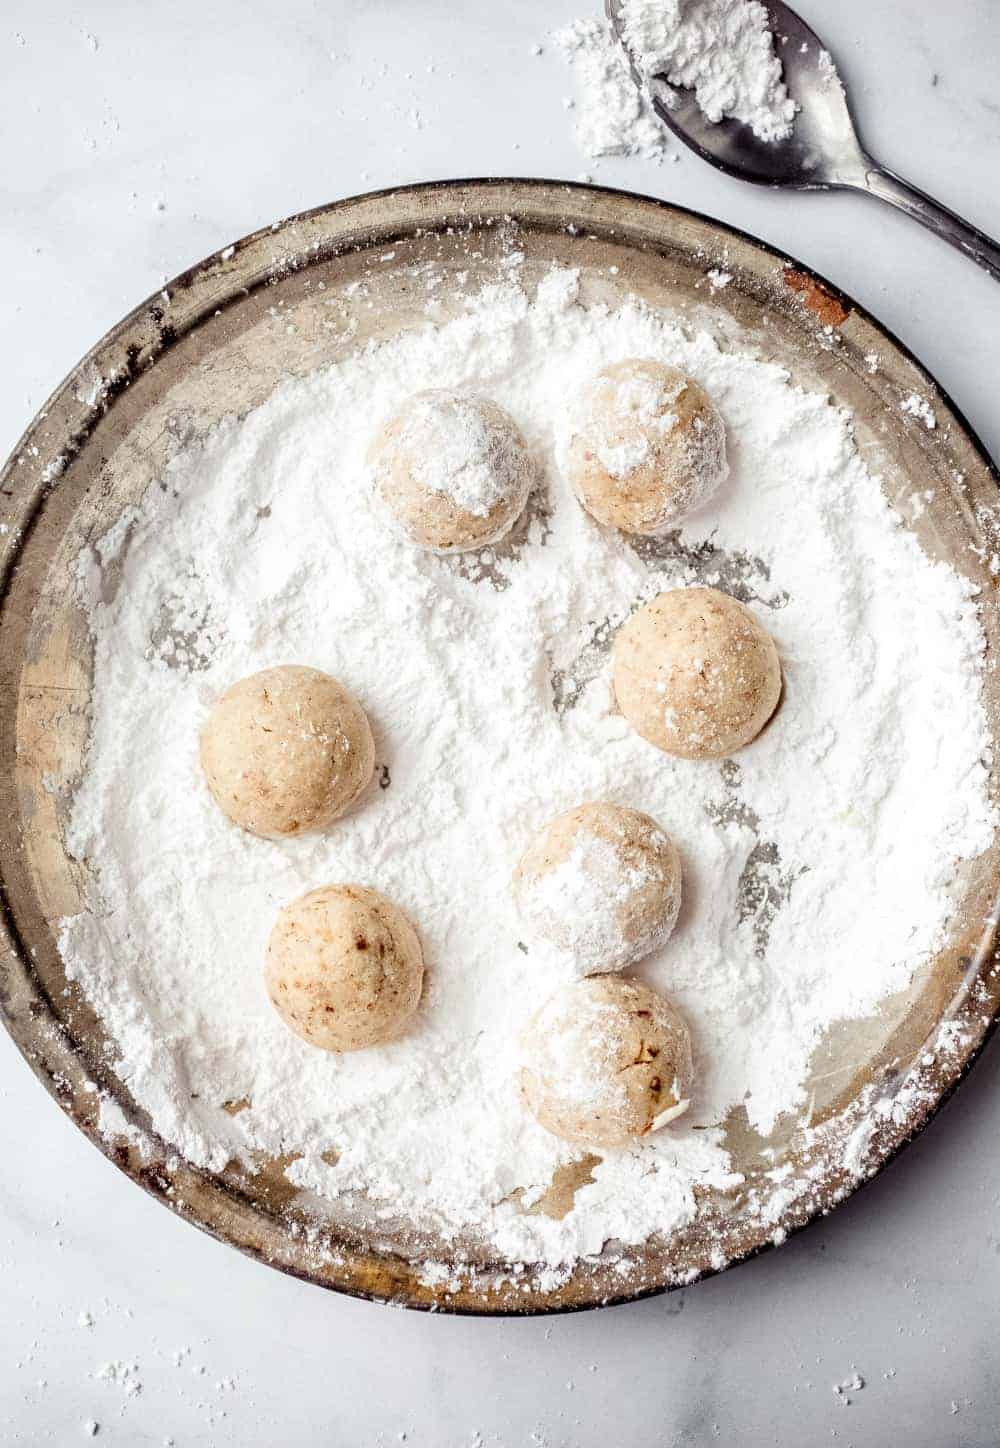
(820, 300)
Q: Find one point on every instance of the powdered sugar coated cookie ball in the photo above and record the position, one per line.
(646, 447)
(344, 968)
(696, 673)
(606, 1060)
(602, 883)
(453, 470)
(286, 751)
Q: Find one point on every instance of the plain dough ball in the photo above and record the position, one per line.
(606, 1060)
(696, 673)
(648, 447)
(286, 751)
(453, 469)
(344, 968)
(602, 883)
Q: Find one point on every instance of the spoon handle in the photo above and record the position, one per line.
(887, 186)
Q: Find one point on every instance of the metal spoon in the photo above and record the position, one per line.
(823, 152)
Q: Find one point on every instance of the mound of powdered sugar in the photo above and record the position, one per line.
(612, 115)
(817, 863)
(722, 50)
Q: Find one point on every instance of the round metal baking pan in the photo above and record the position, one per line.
(216, 341)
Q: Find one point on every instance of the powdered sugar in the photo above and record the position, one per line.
(613, 116)
(647, 398)
(723, 50)
(916, 406)
(817, 864)
(622, 459)
(829, 74)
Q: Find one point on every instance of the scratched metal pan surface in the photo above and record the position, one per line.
(216, 342)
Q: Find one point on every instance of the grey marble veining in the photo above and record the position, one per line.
(139, 138)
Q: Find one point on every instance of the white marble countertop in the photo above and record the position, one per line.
(140, 138)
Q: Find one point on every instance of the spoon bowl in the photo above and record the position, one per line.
(823, 151)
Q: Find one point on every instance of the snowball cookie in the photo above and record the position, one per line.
(606, 1060)
(646, 446)
(696, 673)
(453, 469)
(344, 968)
(286, 751)
(602, 883)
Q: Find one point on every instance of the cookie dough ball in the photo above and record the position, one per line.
(453, 469)
(647, 447)
(606, 1060)
(344, 968)
(286, 751)
(602, 883)
(696, 673)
